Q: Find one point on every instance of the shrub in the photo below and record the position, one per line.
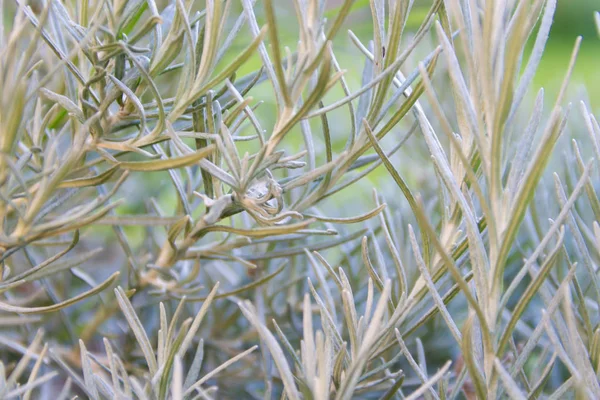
(137, 172)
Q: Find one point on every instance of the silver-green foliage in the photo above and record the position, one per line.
(500, 259)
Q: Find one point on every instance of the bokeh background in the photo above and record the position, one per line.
(572, 18)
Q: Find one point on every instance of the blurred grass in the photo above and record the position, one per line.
(572, 18)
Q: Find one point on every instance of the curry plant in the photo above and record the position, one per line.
(221, 156)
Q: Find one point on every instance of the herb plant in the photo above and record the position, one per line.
(184, 191)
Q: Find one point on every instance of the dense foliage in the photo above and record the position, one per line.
(188, 208)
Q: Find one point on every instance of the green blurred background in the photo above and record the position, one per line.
(572, 18)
